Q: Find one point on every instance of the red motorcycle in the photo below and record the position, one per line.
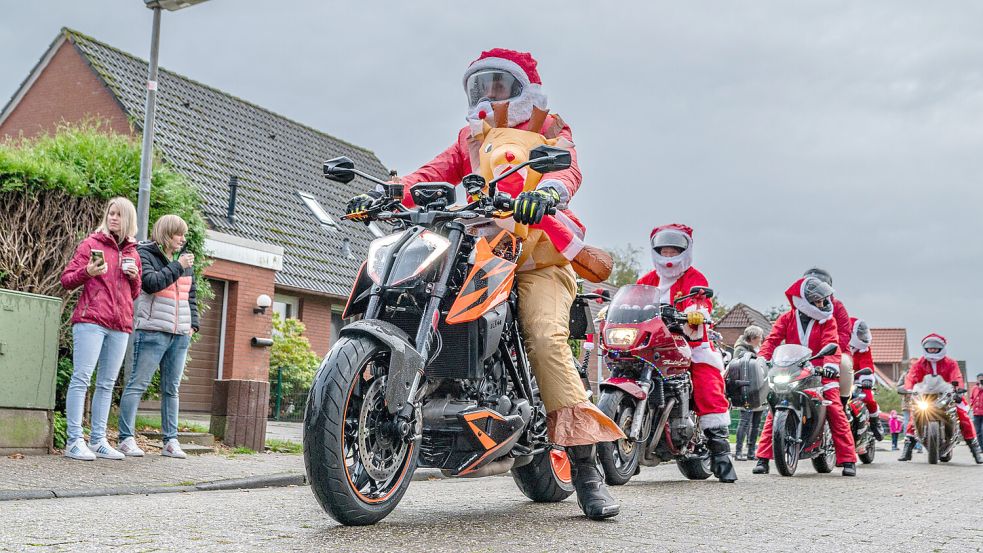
(649, 393)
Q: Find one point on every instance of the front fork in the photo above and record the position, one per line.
(645, 383)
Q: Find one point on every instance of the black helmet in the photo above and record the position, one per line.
(821, 274)
(815, 290)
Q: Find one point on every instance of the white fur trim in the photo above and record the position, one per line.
(715, 420)
(572, 249)
(811, 310)
(707, 355)
(680, 264)
(935, 356)
(576, 229)
(831, 386)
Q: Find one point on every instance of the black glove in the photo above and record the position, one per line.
(360, 203)
(827, 371)
(531, 207)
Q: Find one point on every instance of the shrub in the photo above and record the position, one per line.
(291, 354)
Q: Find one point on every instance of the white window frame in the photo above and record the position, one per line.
(317, 210)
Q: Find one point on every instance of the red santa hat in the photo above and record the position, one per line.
(934, 340)
(796, 294)
(676, 235)
(520, 65)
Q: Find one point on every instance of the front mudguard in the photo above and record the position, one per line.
(626, 385)
(404, 361)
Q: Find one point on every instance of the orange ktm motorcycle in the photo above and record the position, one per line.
(434, 374)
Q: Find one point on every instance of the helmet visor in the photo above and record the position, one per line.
(493, 85)
(670, 238)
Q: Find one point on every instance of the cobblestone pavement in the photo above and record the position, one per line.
(891, 506)
(55, 471)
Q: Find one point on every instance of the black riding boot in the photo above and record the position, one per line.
(974, 446)
(909, 447)
(850, 469)
(719, 447)
(761, 467)
(592, 494)
(875, 426)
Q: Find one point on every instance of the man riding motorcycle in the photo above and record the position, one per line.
(546, 286)
(935, 362)
(860, 338)
(843, 328)
(674, 275)
(810, 323)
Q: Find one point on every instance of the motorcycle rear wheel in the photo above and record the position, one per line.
(868, 457)
(826, 459)
(619, 459)
(547, 478)
(932, 444)
(355, 487)
(696, 468)
(785, 445)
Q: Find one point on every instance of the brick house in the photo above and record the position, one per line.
(889, 348)
(281, 241)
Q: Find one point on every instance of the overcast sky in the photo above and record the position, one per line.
(788, 134)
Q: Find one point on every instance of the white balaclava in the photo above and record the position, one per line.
(934, 341)
(860, 337)
(678, 236)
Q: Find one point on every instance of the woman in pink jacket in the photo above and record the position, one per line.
(107, 267)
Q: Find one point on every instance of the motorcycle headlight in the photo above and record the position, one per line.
(922, 405)
(416, 256)
(782, 379)
(620, 337)
(380, 250)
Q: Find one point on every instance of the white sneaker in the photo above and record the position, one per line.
(78, 450)
(173, 449)
(103, 450)
(129, 448)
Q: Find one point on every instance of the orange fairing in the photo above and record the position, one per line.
(488, 284)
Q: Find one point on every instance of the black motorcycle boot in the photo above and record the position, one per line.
(761, 467)
(592, 494)
(974, 446)
(720, 460)
(909, 447)
(875, 426)
(849, 469)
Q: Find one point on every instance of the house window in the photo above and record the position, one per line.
(288, 307)
(319, 213)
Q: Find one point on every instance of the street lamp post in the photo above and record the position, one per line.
(147, 154)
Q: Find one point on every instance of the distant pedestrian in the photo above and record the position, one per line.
(976, 403)
(895, 426)
(750, 424)
(166, 317)
(107, 267)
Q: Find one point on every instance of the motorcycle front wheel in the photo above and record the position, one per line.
(932, 444)
(785, 445)
(619, 459)
(357, 467)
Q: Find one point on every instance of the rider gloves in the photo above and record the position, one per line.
(829, 371)
(360, 203)
(531, 207)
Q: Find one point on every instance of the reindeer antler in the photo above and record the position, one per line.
(501, 110)
(537, 119)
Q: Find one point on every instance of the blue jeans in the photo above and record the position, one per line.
(93, 344)
(152, 349)
(978, 425)
(906, 416)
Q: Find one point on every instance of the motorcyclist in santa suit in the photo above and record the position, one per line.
(810, 323)
(546, 284)
(843, 328)
(860, 338)
(936, 363)
(674, 275)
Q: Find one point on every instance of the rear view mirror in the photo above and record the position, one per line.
(339, 169)
(863, 372)
(547, 159)
(828, 349)
(708, 292)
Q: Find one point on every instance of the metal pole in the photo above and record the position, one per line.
(147, 155)
(279, 392)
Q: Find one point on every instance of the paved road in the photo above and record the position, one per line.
(660, 511)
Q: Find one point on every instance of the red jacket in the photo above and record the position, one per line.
(106, 300)
(976, 400)
(789, 329)
(863, 360)
(946, 367)
(681, 287)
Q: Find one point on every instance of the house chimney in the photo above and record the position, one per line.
(233, 187)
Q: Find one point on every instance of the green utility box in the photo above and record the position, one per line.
(28, 367)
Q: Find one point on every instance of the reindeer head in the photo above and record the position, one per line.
(503, 148)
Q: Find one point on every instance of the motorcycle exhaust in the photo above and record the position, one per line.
(500, 466)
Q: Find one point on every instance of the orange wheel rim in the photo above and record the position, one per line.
(561, 465)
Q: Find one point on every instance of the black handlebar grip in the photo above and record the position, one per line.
(551, 210)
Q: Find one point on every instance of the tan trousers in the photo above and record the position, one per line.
(545, 298)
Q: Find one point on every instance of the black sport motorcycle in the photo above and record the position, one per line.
(861, 422)
(936, 420)
(434, 374)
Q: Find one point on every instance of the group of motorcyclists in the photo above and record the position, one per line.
(547, 288)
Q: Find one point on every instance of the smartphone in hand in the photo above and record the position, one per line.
(97, 257)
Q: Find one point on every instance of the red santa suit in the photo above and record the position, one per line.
(674, 277)
(814, 334)
(940, 364)
(862, 359)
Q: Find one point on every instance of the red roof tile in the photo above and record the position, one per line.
(889, 345)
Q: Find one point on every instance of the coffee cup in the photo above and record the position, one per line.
(128, 263)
